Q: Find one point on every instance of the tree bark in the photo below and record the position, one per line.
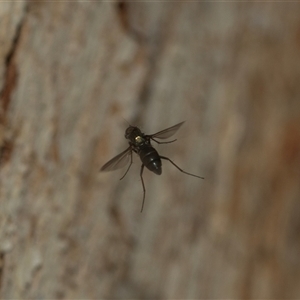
(71, 72)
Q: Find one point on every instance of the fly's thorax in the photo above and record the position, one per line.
(135, 136)
(132, 132)
(139, 140)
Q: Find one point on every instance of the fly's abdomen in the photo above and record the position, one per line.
(151, 159)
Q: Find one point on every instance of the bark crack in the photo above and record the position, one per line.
(10, 82)
(11, 74)
(152, 44)
(124, 18)
(2, 255)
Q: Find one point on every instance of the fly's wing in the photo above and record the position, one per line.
(166, 133)
(118, 161)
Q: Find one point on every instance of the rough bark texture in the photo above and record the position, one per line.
(71, 71)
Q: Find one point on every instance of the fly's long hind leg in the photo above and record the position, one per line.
(166, 158)
(144, 190)
(128, 166)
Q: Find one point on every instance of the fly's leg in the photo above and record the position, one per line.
(166, 158)
(128, 166)
(163, 142)
(144, 190)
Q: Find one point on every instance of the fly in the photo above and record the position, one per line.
(140, 143)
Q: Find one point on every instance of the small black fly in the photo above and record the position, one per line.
(140, 143)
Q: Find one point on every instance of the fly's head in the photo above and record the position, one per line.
(134, 135)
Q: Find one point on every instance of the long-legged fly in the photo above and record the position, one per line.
(140, 143)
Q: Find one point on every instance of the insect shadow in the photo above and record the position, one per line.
(140, 143)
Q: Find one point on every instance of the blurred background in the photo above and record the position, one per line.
(72, 73)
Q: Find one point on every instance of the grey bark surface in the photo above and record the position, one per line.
(71, 72)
